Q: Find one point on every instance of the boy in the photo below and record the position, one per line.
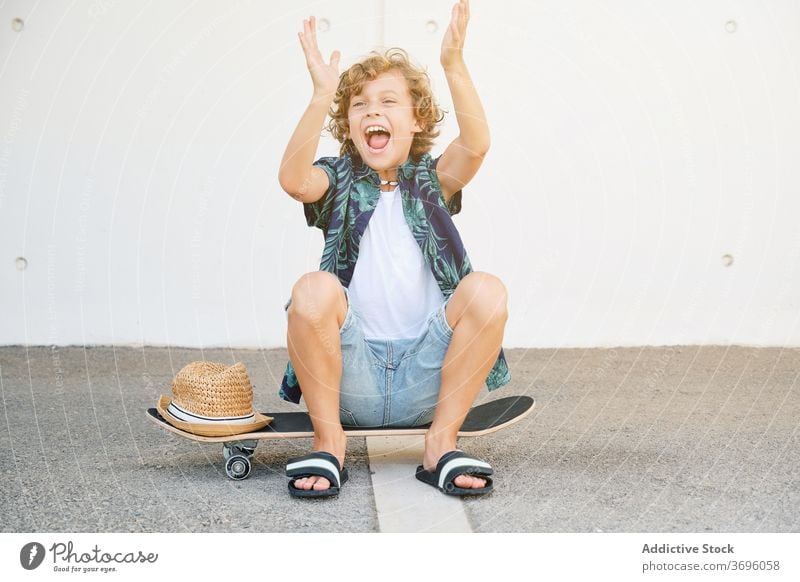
(395, 329)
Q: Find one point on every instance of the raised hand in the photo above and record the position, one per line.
(453, 42)
(324, 76)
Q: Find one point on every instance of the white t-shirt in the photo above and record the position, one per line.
(392, 288)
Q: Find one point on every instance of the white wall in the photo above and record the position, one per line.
(634, 145)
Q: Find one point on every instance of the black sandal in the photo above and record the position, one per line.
(450, 466)
(318, 464)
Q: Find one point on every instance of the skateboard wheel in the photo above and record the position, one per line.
(238, 467)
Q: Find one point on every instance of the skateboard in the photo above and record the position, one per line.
(238, 449)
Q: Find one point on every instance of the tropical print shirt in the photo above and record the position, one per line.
(344, 212)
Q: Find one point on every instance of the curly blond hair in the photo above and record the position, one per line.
(351, 82)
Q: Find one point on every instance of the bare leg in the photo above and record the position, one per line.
(477, 313)
(316, 314)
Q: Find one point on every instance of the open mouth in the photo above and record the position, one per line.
(377, 138)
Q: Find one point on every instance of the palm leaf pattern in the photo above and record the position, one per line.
(343, 213)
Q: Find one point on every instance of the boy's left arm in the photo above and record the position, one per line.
(464, 156)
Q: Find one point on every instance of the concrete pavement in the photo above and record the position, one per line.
(683, 439)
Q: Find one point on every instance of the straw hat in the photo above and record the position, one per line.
(211, 399)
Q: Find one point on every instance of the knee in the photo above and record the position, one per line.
(315, 294)
(487, 297)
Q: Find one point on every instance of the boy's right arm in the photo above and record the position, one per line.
(297, 175)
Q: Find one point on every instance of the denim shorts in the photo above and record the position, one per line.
(390, 383)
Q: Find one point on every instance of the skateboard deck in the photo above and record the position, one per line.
(238, 449)
(482, 419)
